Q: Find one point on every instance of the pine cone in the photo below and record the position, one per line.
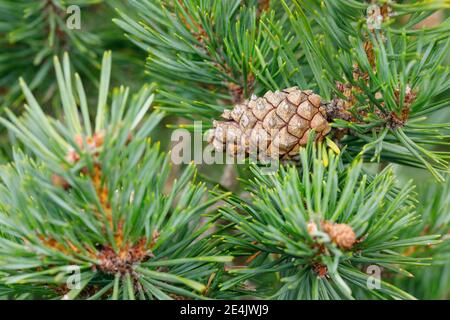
(340, 233)
(277, 124)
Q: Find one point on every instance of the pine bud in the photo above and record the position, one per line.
(311, 227)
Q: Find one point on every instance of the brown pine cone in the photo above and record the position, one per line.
(277, 124)
(340, 233)
(59, 181)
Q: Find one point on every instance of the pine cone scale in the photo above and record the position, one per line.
(297, 126)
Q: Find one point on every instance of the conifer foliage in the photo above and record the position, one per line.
(94, 198)
(350, 98)
(320, 228)
(31, 32)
